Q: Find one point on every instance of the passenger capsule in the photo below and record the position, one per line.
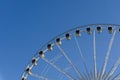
(34, 62)
(110, 29)
(28, 71)
(88, 30)
(99, 29)
(77, 32)
(23, 78)
(67, 36)
(49, 46)
(41, 54)
(58, 41)
(119, 29)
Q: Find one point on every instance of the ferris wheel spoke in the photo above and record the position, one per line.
(40, 76)
(66, 69)
(115, 66)
(67, 58)
(94, 55)
(82, 57)
(58, 69)
(107, 55)
(117, 77)
(53, 60)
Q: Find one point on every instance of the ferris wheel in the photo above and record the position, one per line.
(89, 52)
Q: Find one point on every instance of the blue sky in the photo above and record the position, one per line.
(25, 25)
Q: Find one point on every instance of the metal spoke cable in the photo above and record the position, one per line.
(117, 77)
(94, 55)
(82, 57)
(107, 54)
(40, 77)
(45, 70)
(66, 69)
(115, 66)
(58, 69)
(67, 58)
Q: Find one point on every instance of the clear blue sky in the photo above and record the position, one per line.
(25, 25)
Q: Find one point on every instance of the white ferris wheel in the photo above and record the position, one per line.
(90, 52)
